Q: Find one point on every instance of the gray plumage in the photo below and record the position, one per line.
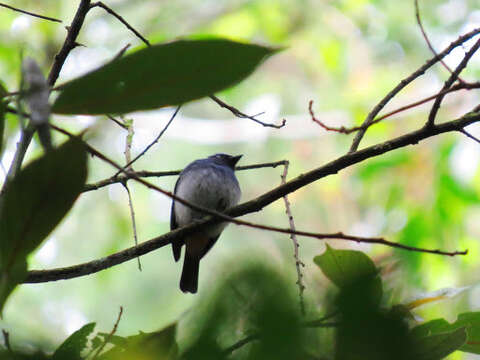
(210, 183)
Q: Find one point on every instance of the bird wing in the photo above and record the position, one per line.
(210, 244)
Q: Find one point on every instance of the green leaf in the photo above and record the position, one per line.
(343, 267)
(33, 204)
(73, 346)
(156, 345)
(161, 75)
(9, 279)
(436, 347)
(470, 321)
(354, 273)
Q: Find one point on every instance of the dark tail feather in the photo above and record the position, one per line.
(189, 279)
(177, 249)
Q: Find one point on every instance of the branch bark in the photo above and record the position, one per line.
(70, 42)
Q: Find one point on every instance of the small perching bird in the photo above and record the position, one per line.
(209, 183)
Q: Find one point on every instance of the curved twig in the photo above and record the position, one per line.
(453, 77)
(121, 19)
(30, 13)
(403, 83)
(241, 115)
(146, 174)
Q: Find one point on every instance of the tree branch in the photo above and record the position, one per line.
(121, 19)
(293, 237)
(146, 174)
(427, 40)
(241, 115)
(70, 42)
(30, 13)
(467, 134)
(257, 204)
(376, 110)
(345, 130)
(110, 335)
(453, 77)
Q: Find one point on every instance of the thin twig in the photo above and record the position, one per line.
(404, 82)
(129, 164)
(107, 339)
(6, 340)
(121, 52)
(427, 40)
(256, 336)
(11, 93)
(128, 158)
(466, 133)
(70, 41)
(30, 13)
(345, 130)
(241, 115)
(319, 322)
(449, 82)
(118, 122)
(146, 174)
(293, 236)
(128, 143)
(134, 224)
(241, 343)
(121, 19)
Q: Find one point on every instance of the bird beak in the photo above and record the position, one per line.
(235, 159)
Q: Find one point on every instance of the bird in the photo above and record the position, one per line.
(210, 183)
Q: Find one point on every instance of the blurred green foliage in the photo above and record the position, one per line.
(345, 55)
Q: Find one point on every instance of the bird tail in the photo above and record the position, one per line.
(189, 279)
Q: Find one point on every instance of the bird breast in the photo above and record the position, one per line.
(213, 188)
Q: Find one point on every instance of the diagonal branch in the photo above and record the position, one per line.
(345, 130)
(453, 77)
(241, 115)
(467, 134)
(110, 335)
(121, 19)
(376, 110)
(30, 13)
(129, 164)
(39, 276)
(427, 40)
(257, 204)
(70, 42)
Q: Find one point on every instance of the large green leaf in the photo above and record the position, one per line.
(353, 272)
(470, 321)
(161, 75)
(343, 267)
(33, 204)
(73, 346)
